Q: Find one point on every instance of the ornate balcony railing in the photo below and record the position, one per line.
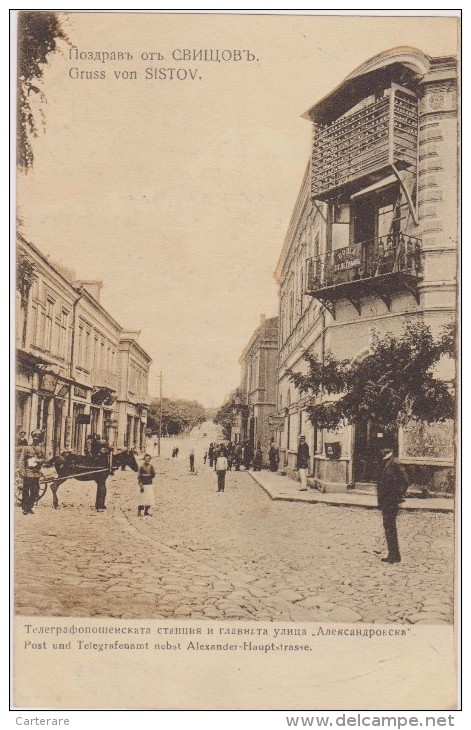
(365, 143)
(374, 266)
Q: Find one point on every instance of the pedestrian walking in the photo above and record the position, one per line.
(302, 462)
(145, 480)
(30, 462)
(211, 454)
(192, 461)
(392, 486)
(221, 469)
(205, 457)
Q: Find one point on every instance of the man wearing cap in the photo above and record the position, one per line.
(29, 466)
(392, 485)
(302, 462)
(22, 440)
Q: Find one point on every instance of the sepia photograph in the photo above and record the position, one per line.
(235, 419)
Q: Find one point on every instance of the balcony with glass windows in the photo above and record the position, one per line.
(362, 146)
(382, 266)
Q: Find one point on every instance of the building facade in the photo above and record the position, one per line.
(69, 358)
(258, 385)
(133, 399)
(372, 243)
(45, 309)
(95, 360)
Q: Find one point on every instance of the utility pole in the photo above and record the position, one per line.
(160, 416)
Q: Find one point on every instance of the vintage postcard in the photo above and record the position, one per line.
(235, 480)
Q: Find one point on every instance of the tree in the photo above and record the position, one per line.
(227, 413)
(393, 384)
(25, 276)
(38, 33)
(178, 415)
(225, 418)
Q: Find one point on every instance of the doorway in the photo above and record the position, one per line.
(369, 441)
(364, 232)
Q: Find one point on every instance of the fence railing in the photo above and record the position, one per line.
(396, 252)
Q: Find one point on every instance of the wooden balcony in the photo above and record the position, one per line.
(363, 146)
(380, 267)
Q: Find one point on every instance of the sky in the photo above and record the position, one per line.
(178, 194)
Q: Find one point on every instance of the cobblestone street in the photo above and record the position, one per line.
(235, 555)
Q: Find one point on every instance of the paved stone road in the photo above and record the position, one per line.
(235, 555)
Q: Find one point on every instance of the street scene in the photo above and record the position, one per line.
(232, 555)
(235, 392)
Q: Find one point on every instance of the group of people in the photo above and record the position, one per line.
(96, 445)
(391, 489)
(242, 455)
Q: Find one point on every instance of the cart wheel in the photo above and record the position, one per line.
(42, 490)
(18, 489)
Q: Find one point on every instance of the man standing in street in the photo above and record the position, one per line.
(302, 463)
(221, 468)
(211, 454)
(192, 461)
(29, 466)
(392, 485)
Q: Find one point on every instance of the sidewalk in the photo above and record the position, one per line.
(286, 489)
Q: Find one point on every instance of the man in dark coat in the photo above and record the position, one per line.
(211, 454)
(258, 458)
(392, 485)
(302, 462)
(237, 456)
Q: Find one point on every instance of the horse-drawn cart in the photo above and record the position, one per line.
(82, 468)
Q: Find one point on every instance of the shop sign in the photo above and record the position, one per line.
(332, 450)
(48, 382)
(346, 258)
(276, 423)
(83, 419)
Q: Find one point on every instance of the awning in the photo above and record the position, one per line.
(389, 180)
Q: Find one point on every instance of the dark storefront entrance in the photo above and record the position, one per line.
(369, 441)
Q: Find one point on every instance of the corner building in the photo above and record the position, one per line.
(133, 399)
(372, 243)
(258, 384)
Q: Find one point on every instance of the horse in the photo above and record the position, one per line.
(90, 468)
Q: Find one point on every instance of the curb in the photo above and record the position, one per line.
(313, 500)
